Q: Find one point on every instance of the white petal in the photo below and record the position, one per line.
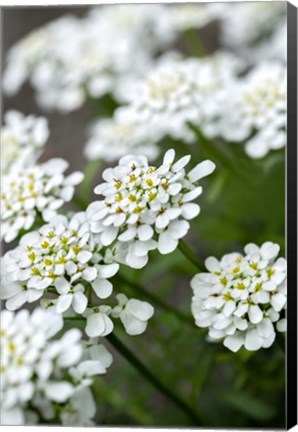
(282, 325)
(63, 303)
(84, 256)
(255, 314)
(90, 273)
(234, 342)
(102, 288)
(166, 244)
(253, 341)
(109, 235)
(203, 169)
(145, 232)
(79, 302)
(99, 324)
(190, 210)
(181, 163)
(169, 157)
(62, 285)
(212, 264)
(140, 309)
(278, 301)
(108, 270)
(58, 391)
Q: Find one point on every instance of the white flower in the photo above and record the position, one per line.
(61, 258)
(145, 207)
(22, 138)
(111, 139)
(254, 111)
(241, 297)
(39, 190)
(72, 57)
(186, 16)
(98, 321)
(244, 24)
(176, 92)
(133, 314)
(37, 369)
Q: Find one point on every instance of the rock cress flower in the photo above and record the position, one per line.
(145, 207)
(242, 297)
(22, 139)
(40, 189)
(60, 258)
(39, 373)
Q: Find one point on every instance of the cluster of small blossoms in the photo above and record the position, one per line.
(110, 139)
(22, 139)
(62, 264)
(183, 17)
(44, 377)
(72, 57)
(145, 207)
(242, 297)
(36, 191)
(133, 313)
(253, 110)
(245, 24)
(176, 92)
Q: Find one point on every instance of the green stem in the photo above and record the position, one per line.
(134, 361)
(191, 256)
(154, 299)
(221, 156)
(91, 169)
(193, 43)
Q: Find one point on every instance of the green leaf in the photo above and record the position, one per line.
(248, 405)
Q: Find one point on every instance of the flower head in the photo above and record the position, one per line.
(38, 190)
(242, 296)
(36, 368)
(111, 139)
(254, 111)
(145, 207)
(22, 139)
(60, 258)
(176, 92)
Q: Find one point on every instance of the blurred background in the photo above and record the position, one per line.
(227, 390)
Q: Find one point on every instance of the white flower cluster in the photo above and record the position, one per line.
(72, 57)
(176, 92)
(38, 190)
(244, 24)
(183, 17)
(62, 264)
(110, 139)
(145, 207)
(22, 140)
(241, 299)
(40, 373)
(253, 109)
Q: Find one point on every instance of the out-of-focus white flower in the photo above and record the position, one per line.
(111, 139)
(186, 16)
(38, 190)
(253, 109)
(176, 92)
(71, 57)
(245, 24)
(60, 258)
(37, 369)
(145, 207)
(134, 314)
(22, 139)
(242, 296)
